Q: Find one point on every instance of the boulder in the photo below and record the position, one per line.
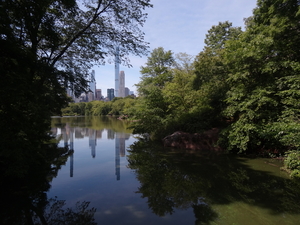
(206, 141)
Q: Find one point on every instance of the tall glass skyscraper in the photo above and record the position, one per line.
(122, 84)
(110, 94)
(117, 79)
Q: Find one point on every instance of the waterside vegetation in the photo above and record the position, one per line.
(245, 83)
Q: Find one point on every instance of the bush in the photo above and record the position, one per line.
(292, 163)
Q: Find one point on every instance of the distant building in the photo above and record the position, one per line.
(92, 87)
(110, 94)
(98, 94)
(117, 78)
(90, 95)
(127, 91)
(122, 84)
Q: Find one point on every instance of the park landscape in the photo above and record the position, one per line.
(244, 84)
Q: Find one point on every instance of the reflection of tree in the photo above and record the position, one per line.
(24, 198)
(55, 214)
(181, 180)
(93, 122)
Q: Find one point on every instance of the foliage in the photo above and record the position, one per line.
(47, 46)
(119, 106)
(292, 163)
(178, 94)
(184, 62)
(219, 34)
(150, 109)
(186, 107)
(157, 70)
(263, 77)
(246, 82)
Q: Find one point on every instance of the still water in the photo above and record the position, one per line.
(132, 181)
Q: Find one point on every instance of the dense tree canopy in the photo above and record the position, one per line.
(264, 79)
(244, 82)
(47, 46)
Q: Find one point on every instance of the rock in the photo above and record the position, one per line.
(204, 142)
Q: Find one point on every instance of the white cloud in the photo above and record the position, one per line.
(135, 212)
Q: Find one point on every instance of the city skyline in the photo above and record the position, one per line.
(177, 26)
(95, 93)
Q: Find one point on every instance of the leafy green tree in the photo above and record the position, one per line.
(264, 80)
(150, 109)
(184, 62)
(89, 109)
(219, 34)
(186, 106)
(117, 106)
(47, 46)
(157, 69)
(212, 72)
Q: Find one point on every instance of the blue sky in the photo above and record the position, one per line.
(179, 26)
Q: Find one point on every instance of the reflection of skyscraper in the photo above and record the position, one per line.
(65, 132)
(78, 133)
(68, 133)
(120, 150)
(122, 144)
(92, 142)
(99, 134)
(110, 134)
(117, 155)
(72, 155)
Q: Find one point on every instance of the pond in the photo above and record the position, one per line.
(129, 180)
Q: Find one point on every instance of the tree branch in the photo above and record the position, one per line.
(81, 32)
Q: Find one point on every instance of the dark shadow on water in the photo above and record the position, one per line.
(23, 196)
(180, 180)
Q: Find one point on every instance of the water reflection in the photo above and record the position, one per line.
(209, 183)
(24, 199)
(69, 129)
(161, 186)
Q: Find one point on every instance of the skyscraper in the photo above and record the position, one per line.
(92, 87)
(122, 84)
(110, 94)
(117, 62)
(127, 91)
(98, 94)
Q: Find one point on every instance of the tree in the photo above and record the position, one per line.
(65, 35)
(212, 72)
(150, 109)
(218, 35)
(157, 69)
(264, 80)
(184, 62)
(187, 107)
(47, 46)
